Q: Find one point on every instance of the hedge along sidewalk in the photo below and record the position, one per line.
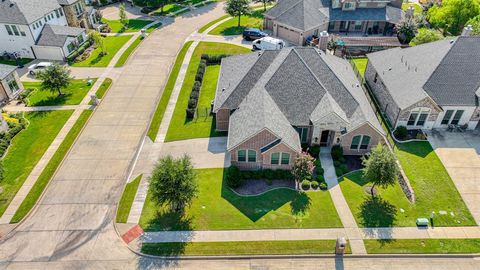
(44, 178)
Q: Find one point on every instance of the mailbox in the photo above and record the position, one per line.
(341, 245)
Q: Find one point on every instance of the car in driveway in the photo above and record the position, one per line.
(268, 43)
(253, 34)
(35, 68)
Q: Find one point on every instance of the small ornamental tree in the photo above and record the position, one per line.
(406, 30)
(173, 182)
(55, 78)
(99, 41)
(237, 8)
(302, 167)
(381, 167)
(123, 16)
(475, 23)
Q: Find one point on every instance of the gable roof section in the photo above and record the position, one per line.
(6, 70)
(56, 35)
(327, 106)
(305, 15)
(67, 2)
(457, 77)
(25, 11)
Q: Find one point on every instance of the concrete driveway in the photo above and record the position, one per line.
(111, 12)
(459, 153)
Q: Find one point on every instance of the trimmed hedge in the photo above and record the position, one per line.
(79, 51)
(6, 137)
(235, 177)
(305, 184)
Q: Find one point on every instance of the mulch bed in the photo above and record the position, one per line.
(353, 163)
(256, 187)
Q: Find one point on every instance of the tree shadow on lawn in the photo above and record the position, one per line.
(53, 100)
(97, 59)
(421, 149)
(376, 212)
(168, 220)
(255, 207)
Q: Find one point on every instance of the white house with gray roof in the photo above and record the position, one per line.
(272, 102)
(433, 85)
(22, 26)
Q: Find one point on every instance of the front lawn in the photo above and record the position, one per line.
(127, 199)
(51, 167)
(219, 208)
(133, 25)
(113, 44)
(27, 148)
(433, 188)
(206, 26)
(23, 61)
(361, 64)
(231, 27)
(72, 95)
(241, 248)
(422, 246)
(182, 128)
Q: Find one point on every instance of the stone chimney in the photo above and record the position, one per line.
(467, 31)
(323, 41)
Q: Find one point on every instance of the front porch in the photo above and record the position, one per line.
(361, 28)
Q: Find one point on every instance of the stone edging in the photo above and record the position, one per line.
(406, 141)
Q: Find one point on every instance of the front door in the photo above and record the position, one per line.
(324, 138)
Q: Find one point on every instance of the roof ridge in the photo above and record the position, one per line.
(436, 68)
(309, 69)
(292, 6)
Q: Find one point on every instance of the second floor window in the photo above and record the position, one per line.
(14, 30)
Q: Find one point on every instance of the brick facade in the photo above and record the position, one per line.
(365, 129)
(222, 118)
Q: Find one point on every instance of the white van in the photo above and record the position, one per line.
(268, 43)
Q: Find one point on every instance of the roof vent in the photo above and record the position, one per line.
(452, 41)
(358, 85)
(390, 69)
(401, 60)
(223, 89)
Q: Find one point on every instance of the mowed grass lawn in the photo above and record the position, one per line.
(231, 27)
(133, 25)
(112, 44)
(423, 246)
(361, 64)
(72, 95)
(219, 208)
(182, 128)
(206, 26)
(27, 148)
(433, 187)
(124, 57)
(127, 199)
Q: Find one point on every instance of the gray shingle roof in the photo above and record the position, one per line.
(56, 35)
(305, 14)
(5, 70)
(297, 86)
(67, 2)
(447, 72)
(25, 11)
(389, 14)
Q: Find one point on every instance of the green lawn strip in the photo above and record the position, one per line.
(23, 61)
(72, 95)
(127, 200)
(51, 167)
(361, 64)
(217, 207)
(113, 44)
(422, 246)
(180, 128)
(27, 148)
(133, 25)
(124, 57)
(231, 27)
(241, 248)
(102, 90)
(206, 26)
(167, 91)
(209, 87)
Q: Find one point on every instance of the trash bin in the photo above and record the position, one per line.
(341, 245)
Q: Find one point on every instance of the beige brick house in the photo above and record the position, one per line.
(78, 14)
(272, 102)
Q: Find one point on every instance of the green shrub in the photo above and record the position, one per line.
(344, 168)
(269, 181)
(323, 186)
(314, 184)
(342, 159)
(196, 86)
(338, 171)
(190, 113)
(337, 152)
(194, 95)
(305, 184)
(234, 177)
(401, 132)
(269, 174)
(317, 163)
(320, 178)
(314, 151)
(336, 163)
(320, 171)
(192, 103)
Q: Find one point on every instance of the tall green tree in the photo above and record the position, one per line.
(123, 16)
(237, 8)
(264, 2)
(426, 35)
(381, 167)
(55, 78)
(98, 40)
(475, 23)
(173, 182)
(452, 15)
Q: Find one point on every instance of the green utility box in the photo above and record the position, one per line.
(422, 222)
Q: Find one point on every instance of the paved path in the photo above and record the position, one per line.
(74, 220)
(353, 233)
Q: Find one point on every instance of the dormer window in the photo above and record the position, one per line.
(349, 6)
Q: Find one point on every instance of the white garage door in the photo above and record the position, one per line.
(288, 34)
(48, 53)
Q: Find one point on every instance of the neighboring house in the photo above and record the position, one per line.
(296, 20)
(10, 85)
(78, 14)
(428, 86)
(272, 102)
(22, 24)
(56, 42)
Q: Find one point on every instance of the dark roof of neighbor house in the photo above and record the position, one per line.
(308, 14)
(56, 35)
(447, 71)
(25, 11)
(67, 2)
(295, 86)
(6, 70)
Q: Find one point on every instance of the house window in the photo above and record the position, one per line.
(46, 19)
(303, 134)
(80, 39)
(355, 142)
(9, 30)
(358, 25)
(242, 155)
(252, 156)
(15, 30)
(285, 158)
(348, 6)
(12, 83)
(457, 117)
(365, 142)
(78, 9)
(61, 11)
(331, 26)
(447, 117)
(418, 117)
(57, 13)
(360, 142)
(70, 47)
(275, 158)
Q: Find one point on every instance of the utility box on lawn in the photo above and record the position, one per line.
(422, 222)
(341, 245)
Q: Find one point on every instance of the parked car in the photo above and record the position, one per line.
(35, 68)
(253, 34)
(268, 43)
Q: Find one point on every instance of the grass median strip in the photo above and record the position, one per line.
(124, 57)
(51, 167)
(167, 92)
(102, 90)
(241, 248)
(127, 200)
(206, 26)
(422, 246)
